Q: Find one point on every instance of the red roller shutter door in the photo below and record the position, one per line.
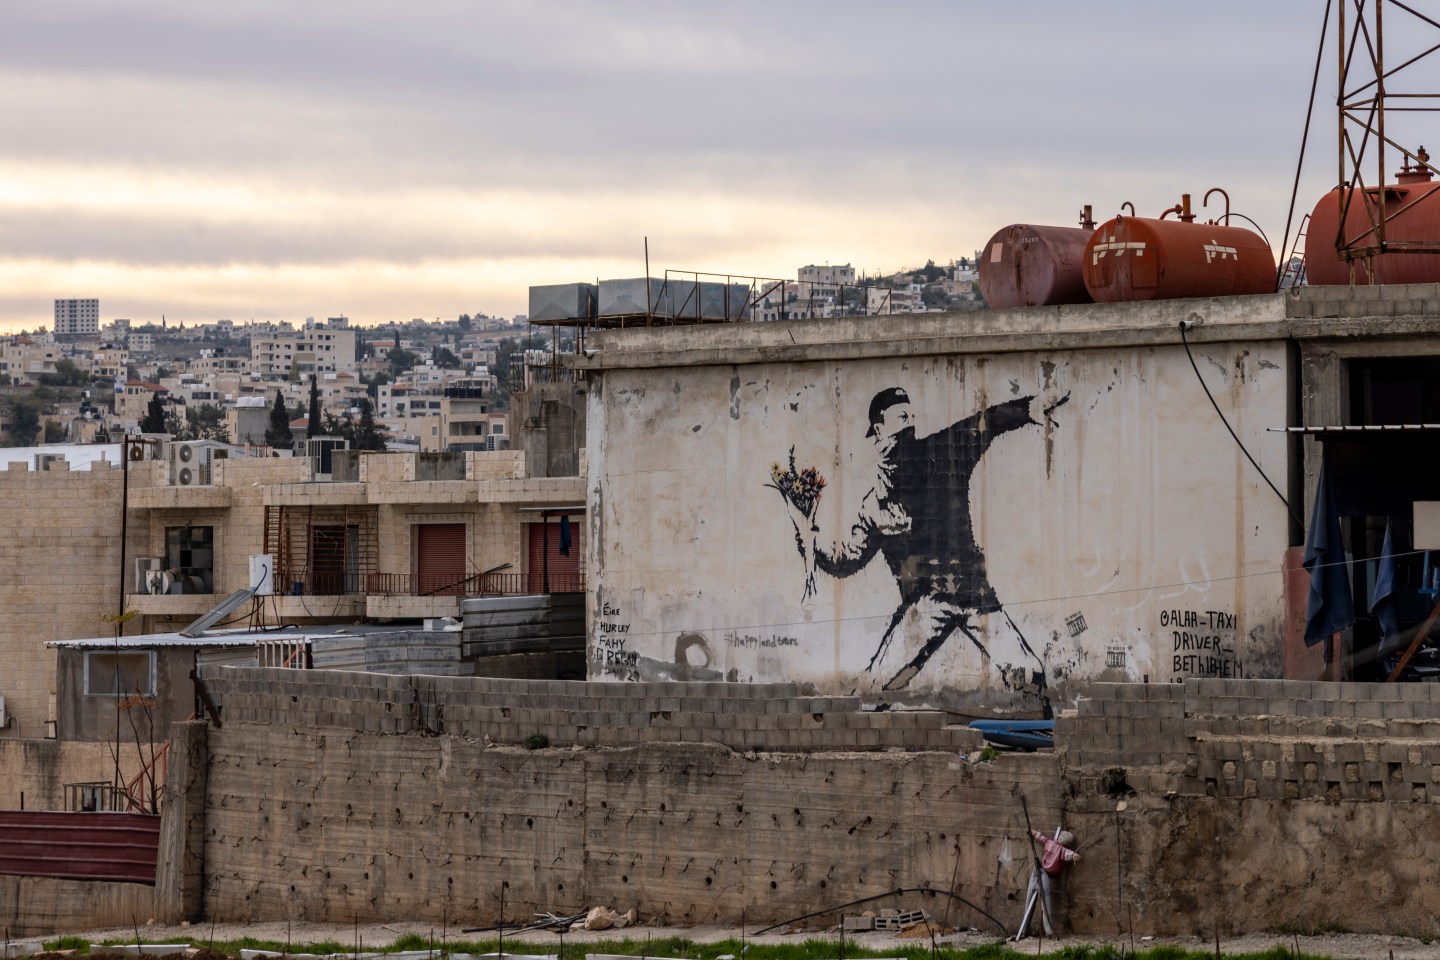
(440, 567)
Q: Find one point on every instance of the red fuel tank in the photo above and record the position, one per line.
(1412, 214)
(1030, 266)
(1136, 258)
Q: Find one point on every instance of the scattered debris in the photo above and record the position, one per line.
(888, 919)
(899, 921)
(926, 929)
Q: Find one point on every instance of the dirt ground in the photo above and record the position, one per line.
(1339, 946)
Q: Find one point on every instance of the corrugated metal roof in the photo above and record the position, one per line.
(219, 638)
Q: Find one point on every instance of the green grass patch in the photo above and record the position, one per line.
(810, 949)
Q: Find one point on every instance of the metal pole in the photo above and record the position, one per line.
(1380, 134)
(124, 515)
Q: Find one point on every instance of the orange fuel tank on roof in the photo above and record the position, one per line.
(1034, 266)
(1412, 215)
(1138, 258)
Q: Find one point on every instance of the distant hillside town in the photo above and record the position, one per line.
(423, 385)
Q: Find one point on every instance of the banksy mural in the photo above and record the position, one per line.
(916, 517)
(975, 532)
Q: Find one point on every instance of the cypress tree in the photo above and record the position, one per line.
(313, 428)
(279, 435)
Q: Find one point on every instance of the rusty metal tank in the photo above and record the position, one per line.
(1025, 265)
(1412, 215)
(1138, 258)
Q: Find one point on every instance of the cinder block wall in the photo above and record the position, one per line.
(323, 824)
(1210, 805)
(1254, 804)
(579, 713)
(1388, 300)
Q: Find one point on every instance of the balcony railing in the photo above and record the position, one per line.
(492, 584)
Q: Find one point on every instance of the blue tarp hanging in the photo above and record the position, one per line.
(565, 536)
(1382, 596)
(1330, 607)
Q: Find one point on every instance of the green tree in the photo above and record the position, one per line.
(24, 422)
(278, 434)
(444, 357)
(66, 374)
(465, 323)
(367, 435)
(401, 360)
(54, 431)
(154, 419)
(334, 426)
(313, 427)
(206, 421)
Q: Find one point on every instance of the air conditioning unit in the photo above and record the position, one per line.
(44, 460)
(262, 574)
(190, 464)
(148, 574)
(155, 447)
(174, 582)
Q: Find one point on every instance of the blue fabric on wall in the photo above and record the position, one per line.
(1330, 607)
(1382, 598)
(564, 536)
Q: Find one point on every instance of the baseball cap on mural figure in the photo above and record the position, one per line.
(884, 400)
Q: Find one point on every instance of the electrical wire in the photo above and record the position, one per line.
(1304, 140)
(1218, 412)
(880, 896)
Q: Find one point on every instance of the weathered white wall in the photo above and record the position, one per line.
(1132, 509)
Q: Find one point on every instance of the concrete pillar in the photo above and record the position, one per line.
(180, 868)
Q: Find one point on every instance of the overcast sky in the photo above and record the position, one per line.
(389, 160)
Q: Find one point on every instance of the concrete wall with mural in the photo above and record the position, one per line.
(982, 526)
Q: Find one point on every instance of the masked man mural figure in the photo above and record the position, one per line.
(917, 515)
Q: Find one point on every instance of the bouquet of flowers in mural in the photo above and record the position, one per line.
(801, 490)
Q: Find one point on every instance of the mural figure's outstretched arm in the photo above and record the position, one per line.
(983, 427)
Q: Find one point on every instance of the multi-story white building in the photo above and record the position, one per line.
(23, 359)
(885, 300)
(77, 317)
(316, 349)
(109, 363)
(827, 279)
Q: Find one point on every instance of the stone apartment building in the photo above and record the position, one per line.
(398, 537)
